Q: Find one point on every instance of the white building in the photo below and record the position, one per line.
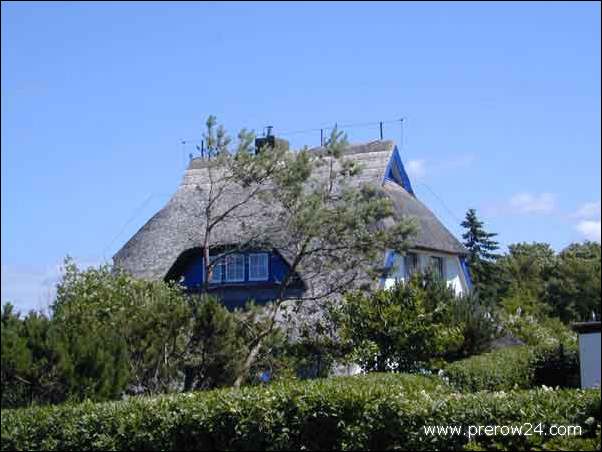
(589, 353)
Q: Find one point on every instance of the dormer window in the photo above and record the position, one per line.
(258, 267)
(230, 267)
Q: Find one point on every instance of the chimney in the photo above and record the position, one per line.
(269, 140)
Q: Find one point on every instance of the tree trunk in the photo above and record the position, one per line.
(248, 363)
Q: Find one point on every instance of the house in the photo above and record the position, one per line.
(168, 246)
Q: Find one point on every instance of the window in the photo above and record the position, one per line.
(218, 269)
(258, 267)
(235, 268)
(410, 262)
(437, 266)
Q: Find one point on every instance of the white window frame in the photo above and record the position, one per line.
(440, 270)
(266, 262)
(414, 258)
(235, 260)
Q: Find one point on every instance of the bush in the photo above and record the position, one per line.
(543, 331)
(516, 367)
(404, 328)
(478, 324)
(29, 359)
(377, 411)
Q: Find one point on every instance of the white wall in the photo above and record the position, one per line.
(589, 359)
(451, 267)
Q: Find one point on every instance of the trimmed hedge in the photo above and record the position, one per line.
(520, 367)
(377, 411)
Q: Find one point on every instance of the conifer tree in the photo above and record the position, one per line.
(481, 254)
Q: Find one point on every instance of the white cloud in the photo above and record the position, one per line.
(590, 229)
(542, 203)
(416, 168)
(588, 210)
(589, 220)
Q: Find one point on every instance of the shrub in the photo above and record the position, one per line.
(404, 328)
(498, 370)
(215, 347)
(516, 367)
(478, 324)
(543, 331)
(29, 359)
(377, 411)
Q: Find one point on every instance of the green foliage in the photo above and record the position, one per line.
(118, 332)
(502, 369)
(478, 323)
(414, 326)
(516, 367)
(30, 360)
(573, 287)
(524, 270)
(534, 331)
(108, 334)
(315, 352)
(309, 205)
(215, 347)
(481, 254)
(374, 412)
(535, 281)
(402, 329)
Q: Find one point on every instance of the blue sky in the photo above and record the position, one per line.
(501, 104)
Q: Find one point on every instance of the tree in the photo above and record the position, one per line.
(523, 274)
(235, 181)
(117, 333)
(215, 347)
(478, 323)
(573, 288)
(325, 226)
(403, 329)
(481, 254)
(30, 360)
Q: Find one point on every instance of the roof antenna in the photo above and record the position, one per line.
(201, 149)
(400, 133)
(183, 151)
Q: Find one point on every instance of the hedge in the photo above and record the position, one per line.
(520, 367)
(373, 412)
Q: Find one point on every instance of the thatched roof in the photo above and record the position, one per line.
(432, 235)
(152, 251)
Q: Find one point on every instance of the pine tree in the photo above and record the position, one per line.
(481, 254)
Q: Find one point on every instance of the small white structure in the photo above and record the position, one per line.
(589, 353)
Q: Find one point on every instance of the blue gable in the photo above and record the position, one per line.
(396, 172)
(466, 271)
